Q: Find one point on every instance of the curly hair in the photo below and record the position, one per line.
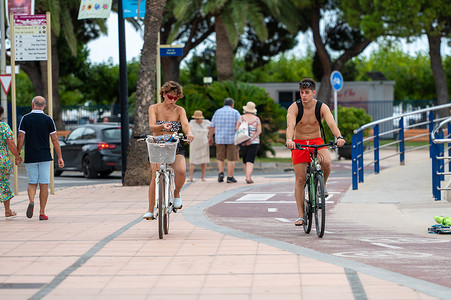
(171, 86)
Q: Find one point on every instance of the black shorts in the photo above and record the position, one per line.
(180, 150)
(248, 153)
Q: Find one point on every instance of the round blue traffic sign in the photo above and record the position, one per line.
(336, 79)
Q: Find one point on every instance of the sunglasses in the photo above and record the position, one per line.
(172, 97)
(306, 85)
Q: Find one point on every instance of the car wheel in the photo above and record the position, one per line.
(58, 172)
(88, 169)
(105, 173)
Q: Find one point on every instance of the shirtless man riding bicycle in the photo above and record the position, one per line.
(303, 127)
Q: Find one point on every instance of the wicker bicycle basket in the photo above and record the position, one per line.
(161, 153)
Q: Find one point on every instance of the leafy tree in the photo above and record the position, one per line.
(189, 28)
(230, 19)
(337, 36)
(413, 75)
(409, 19)
(64, 31)
(138, 167)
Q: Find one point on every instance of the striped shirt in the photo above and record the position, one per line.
(224, 121)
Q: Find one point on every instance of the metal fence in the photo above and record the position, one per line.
(439, 158)
(421, 118)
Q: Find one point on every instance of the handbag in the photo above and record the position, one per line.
(242, 133)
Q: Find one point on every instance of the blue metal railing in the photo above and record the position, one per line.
(398, 132)
(438, 149)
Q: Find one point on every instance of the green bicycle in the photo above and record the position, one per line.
(315, 199)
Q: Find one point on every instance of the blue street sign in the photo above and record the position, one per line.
(130, 8)
(173, 51)
(336, 79)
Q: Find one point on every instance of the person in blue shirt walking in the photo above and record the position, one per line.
(222, 126)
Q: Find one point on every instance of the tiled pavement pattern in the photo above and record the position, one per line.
(95, 246)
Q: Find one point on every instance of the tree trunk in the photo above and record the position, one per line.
(171, 68)
(55, 85)
(441, 87)
(224, 51)
(325, 88)
(138, 166)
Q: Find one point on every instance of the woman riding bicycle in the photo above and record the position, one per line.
(166, 118)
(303, 127)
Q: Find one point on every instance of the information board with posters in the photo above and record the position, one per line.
(30, 37)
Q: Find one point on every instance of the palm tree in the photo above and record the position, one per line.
(64, 24)
(231, 17)
(138, 166)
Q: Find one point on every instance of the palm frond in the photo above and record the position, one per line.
(68, 29)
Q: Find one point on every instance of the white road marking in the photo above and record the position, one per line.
(272, 209)
(255, 197)
(386, 246)
(283, 220)
(259, 202)
(267, 193)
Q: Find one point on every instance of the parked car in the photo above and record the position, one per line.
(94, 149)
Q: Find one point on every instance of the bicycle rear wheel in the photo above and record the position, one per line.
(307, 208)
(320, 205)
(161, 204)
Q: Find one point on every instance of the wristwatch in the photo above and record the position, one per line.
(340, 137)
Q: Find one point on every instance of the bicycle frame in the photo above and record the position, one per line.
(164, 181)
(314, 182)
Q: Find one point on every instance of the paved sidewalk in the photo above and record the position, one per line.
(96, 246)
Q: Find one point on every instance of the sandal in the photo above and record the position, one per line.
(11, 214)
(300, 224)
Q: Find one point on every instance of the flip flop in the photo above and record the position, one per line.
(301, 224)
(30, 210)
(12, 214)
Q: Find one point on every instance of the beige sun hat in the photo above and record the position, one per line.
(198, 115)
(250, 108)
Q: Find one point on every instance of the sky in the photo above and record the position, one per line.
(107, 47)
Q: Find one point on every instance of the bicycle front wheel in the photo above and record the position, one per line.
(307, 208)
(169, 199)
(161, 204)
(320, 205)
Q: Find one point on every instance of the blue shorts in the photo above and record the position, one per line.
(38, 172)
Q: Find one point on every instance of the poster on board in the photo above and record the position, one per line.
(19, 7)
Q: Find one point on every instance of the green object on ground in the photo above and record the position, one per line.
(443, 220)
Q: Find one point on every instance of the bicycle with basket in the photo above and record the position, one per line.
(315, 199)
(162, 150)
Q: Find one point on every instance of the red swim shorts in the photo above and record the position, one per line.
(303, 156)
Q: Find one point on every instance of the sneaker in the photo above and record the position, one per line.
(231, 179)
(177, 203)
(326, 193)
(43, 217)
(30, 210)
(221, 177)
(148, 216)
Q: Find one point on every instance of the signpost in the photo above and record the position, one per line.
(336, 79)
(165, 50)
(31, 41)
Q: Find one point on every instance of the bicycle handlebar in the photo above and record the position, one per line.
(332, 145)
(176, 136)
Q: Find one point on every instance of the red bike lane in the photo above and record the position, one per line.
(270, 210)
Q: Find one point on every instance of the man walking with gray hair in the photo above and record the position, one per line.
(35, 129)
(222, 126)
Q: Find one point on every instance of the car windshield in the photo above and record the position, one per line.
(113, 134)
